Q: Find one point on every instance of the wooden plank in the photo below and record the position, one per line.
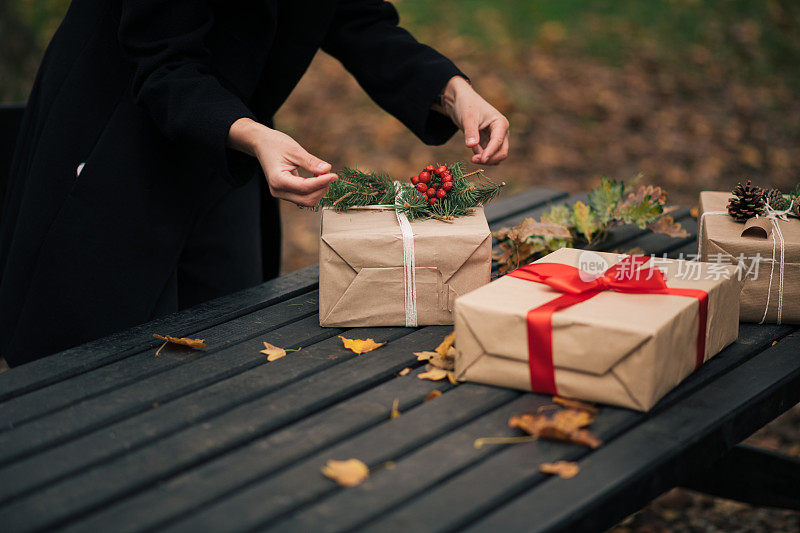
(137, 367)
(107, 482)
(521, 202)
(303, 482)
(54, 368)
(662, 451)
(515, 469)
(753, 475)
(212, 480)
(166, 417)
(57, 367)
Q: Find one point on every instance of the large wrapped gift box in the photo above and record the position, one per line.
(769, 252)
(621, 348)
(364, 274)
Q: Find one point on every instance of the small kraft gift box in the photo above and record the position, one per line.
(768, 249)
(377, 268)
(610, 328)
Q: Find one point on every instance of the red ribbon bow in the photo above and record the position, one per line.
(577, 286)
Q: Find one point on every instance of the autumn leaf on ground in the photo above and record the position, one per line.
(667, 226)
(395, 412)
(346, 473)
(564, 426)
(432, 395)
(433, 374)
(446, 344)
(359, 346)
(564, 469)
(183, 341)
(404, 372)
(575, 404)
(273, 352)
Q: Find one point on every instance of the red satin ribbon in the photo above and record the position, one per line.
(577, 286)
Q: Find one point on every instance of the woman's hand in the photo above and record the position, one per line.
(485, 128)
(281, 157)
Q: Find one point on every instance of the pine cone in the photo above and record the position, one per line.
(776, 200)
(747, 202)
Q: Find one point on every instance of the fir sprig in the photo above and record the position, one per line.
(356, 188)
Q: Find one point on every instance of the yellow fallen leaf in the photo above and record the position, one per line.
(433, 374)
(432, 395)
(564, 469)
(395, 408)
(451, 377)
(404, 372)
(184, 341)
(359, 346)
(446, 344)
(425, 356)
(346, 473)
(272, 352)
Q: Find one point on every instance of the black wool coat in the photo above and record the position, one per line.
(143, 92)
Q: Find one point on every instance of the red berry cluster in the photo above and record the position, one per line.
(434, 183)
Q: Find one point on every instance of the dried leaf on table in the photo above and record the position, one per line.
(585, 221)
(575, 404)
(404, 372)
(183, 341)
(432, 395)
(667, 226)
(564, 469)
(425, 356)
(564, 426)
(346, 473)
(272, 352)
(359, 346)
(451, 377)
(446, 344)
(433, 374)
(395, 412)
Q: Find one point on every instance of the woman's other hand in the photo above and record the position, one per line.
(281, 157)
(485, 128)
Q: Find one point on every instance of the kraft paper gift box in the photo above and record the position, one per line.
(626, 349)
(362, 274)
(770, 258)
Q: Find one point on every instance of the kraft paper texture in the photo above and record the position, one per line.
(723, 238)
(621, 349)
(361, 267)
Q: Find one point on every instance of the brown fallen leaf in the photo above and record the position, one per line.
(668, 226)
(451, 377)
(395, 412)
(446, 344)
(433, 374)
(346, 473)
(432, 395)
(404, 372)
(359, 346)
(575, 404)
(563, 469)
(425, 356)
(564, 426)
(183, 341)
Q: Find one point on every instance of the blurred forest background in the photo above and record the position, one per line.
(696, 94)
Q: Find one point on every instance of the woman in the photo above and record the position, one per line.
(132, 192)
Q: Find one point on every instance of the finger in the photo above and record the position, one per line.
(290, 183)
(501, 154)
(499, 129)
(471, 135)
(312, 163)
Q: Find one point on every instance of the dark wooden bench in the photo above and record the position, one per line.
(106, 436)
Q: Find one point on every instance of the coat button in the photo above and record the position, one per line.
(80, 168)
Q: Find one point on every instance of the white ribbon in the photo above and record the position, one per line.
(773, 215)
(409, 273)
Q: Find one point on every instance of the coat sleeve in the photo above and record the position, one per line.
(400, 74)
(174, 82)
